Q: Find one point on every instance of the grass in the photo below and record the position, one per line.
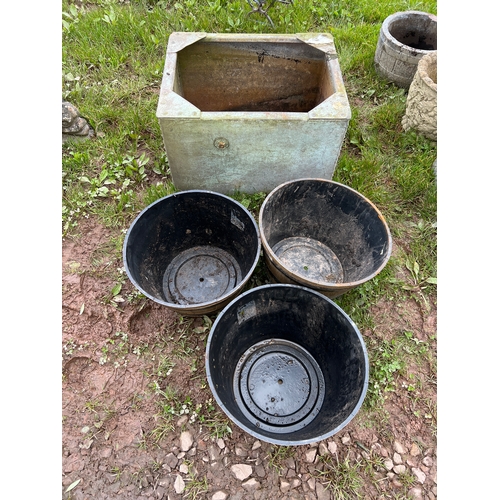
(112, 61)
(278, 455)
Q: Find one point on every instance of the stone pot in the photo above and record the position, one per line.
(421, 103)
(405, 37)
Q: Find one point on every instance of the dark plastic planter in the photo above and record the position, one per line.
(323, 235)
(192, 251)
(287, 365)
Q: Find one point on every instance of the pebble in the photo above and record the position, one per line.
(219, 495)
(419, 475)
(284, 486)
(241, 471)
(346, 439)
(399, 448)
(415, 450)
(399, 469)
(179, 484)
(388, 464)
(213, 453)
(240, 451)
(311, 455)
(221, 444)
(415, 494)
(182, 421)
(251, 485)
(397, 458)
(332, 447)
(321, 492)
(256, 445)
(427, 461)
(311, 483)
(184, 468)
(186, 440)
(260, 471)
(322, 450)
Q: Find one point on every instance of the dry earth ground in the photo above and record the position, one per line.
(114, 445)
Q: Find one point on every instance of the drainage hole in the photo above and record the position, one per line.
(280, 381)
(202, 279)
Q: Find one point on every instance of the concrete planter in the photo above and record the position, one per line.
(241, 112)
(421, 103)
(404, 38)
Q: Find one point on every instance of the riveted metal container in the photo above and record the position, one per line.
(323, 235)
(247, 112)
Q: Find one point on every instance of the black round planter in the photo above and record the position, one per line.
(323, 235)
(192, 251)
(286, 364)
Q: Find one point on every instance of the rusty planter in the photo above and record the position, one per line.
(247, 112)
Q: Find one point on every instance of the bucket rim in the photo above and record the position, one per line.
(199, 307)
(387, 23)
(322, 285)
(266, 438)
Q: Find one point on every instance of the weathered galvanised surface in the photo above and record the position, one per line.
(247, 112)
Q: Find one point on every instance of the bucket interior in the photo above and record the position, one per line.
(252, 76)
(287, 364)
(418, 31)
(324, 232)
(191, 248)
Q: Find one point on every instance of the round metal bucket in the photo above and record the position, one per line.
(192, 251)
(323, 235)
(286, 364)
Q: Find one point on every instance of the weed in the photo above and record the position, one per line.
(165, 367)
(385, 364)
(418, 282)
(195, 487)
(340, 477)
(115, 349)
(117, 472)
(278, 455)
(217, 423)
(252, 202)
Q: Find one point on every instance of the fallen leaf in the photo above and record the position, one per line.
(72, 485)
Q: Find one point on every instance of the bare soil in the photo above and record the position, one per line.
(111, 355)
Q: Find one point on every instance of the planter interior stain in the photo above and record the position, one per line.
(309, 258)
(323, 235)
(248, 76)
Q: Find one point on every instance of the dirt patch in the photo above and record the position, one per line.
(115, 379)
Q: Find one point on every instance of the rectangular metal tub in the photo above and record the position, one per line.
(247, 112)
